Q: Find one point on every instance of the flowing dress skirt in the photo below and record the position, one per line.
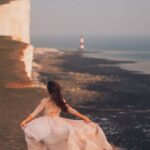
(58, 133)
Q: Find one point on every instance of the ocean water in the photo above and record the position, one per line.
(116, 48)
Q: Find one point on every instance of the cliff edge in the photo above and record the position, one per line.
(13, 61)
(15, 26)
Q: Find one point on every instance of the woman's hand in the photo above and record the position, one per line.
(23, 123)
(86, 119)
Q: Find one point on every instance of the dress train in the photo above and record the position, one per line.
(58, 133)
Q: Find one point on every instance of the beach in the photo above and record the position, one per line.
(117, 99)
(98, 52)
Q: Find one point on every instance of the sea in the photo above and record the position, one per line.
(128, 48)
(128, 127)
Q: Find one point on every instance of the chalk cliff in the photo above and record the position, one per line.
(15, 19)
(15, 22)
(12, 63)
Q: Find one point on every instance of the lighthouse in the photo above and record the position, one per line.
(82, 46)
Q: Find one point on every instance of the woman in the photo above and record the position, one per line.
(53, 132)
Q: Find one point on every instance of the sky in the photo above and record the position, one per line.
(90, 17)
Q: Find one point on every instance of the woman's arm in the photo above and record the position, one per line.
(36, 111)
(76, 113)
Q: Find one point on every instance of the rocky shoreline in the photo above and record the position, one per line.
(115, 98)
(99, 88)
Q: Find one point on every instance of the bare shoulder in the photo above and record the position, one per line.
(44, 100)
(64, 100)
(66, 103)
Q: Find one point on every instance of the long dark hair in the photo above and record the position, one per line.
(56, 96)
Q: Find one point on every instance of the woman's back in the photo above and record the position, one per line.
(51, 109)
(58, 132)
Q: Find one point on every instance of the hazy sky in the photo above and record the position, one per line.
(94, 17)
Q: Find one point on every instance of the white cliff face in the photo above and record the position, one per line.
(27, 59)
(15, 22)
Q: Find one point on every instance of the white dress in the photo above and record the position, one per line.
(57, 133)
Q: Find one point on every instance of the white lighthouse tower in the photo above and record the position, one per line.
(82, 46)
